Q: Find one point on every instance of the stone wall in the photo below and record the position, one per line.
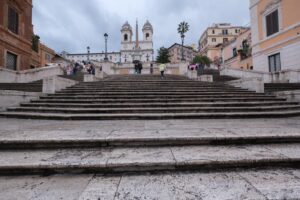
(26, 76)
(287, 76)
(54, 84)
(14, 98)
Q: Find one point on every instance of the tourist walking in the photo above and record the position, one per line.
(136, 68)
(151, 68)
(140, 67)
(162, 69)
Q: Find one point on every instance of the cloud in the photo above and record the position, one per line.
(72, 25)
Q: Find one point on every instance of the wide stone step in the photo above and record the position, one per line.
(148, 159)
(149, 96)
(88, 91)
(153, 110)
(183, 87)
(161, 100)
(150, 93)
(149, 116)
(152, 104)
(64, 139)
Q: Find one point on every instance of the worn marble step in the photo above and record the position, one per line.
(174, 93)
(65, 139)
(153, 116)
(160, 96)
(149, 90)
(153, 104)
(115, 160)
(161, 100)
(153, 110)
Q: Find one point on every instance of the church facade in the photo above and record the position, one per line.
(130, 51)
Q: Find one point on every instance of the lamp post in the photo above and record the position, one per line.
(88, 53)
(106, 37)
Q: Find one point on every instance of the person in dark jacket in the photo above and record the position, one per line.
(140, 67)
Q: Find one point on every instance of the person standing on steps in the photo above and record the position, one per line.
(162, 69)
(136, 68)
(151, 68)
(141, 67)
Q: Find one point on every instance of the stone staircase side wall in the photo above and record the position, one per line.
(286, 76)
(27, 76)
(14, 98)
(293, 95)
(54, 84)
(252, 84)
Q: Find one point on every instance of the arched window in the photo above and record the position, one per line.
(147, 36)
(125, 37)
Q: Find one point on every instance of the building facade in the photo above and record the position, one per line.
(79, 57)
(275, 28)
(46, 55)
(237, 53)
(141, 50)
(20, 49)
(131, 50)
(16, 31)
(175, 52)
(215, 36)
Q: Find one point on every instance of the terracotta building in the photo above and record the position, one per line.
(175, 53)
(275, 28)
(16, 33)
(213, 37)
(237, 53)
(19, 47)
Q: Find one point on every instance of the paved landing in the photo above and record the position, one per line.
(258, 185)
(271, 182)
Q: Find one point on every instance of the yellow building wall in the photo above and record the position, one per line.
(290, 15)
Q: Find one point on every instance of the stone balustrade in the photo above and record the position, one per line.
(31, 75)
(284, 76)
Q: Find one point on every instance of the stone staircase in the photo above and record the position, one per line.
(36, 86)
(146, 146)
(63, 146)
(149, 97)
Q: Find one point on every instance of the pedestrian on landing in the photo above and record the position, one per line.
(136, 68)
(162, 69)
(140, 67)
(151, 68)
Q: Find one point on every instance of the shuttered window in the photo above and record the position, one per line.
(13, 20)
(272, 23)
(11, 61)
(275, 63)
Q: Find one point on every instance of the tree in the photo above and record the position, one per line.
(203, 60)
(163, 55)
(183, 28)
(35, 43)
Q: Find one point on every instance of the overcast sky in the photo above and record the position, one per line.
(72, 25)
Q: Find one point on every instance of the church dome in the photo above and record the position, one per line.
(147, 26)
(126, 27)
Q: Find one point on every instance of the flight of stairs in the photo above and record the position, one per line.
(149, 97)
(77, 147)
